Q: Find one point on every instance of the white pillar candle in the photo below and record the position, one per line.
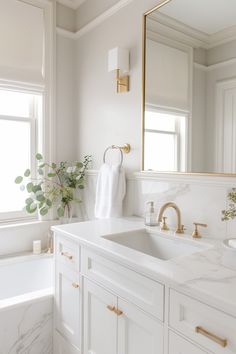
(37, 247)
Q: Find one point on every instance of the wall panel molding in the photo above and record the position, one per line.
(192, 178)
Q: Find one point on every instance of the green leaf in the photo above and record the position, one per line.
(60, 211)
(31, 208)
(18, 179)
(36, 188)
(42, 165)
(29, 201)
(40, 198)
(81, 186)
(79, 165)
(49, 203)
(51, 174)
(29, 187)
(43, 211)
(27, 173)
(41, 205)
(54, 165)
(39, 157)
(40, 171)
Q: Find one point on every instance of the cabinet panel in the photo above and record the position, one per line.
(100, 323)
(67, 252)
(67, 303)
(138, 333)
(138, 289)
(178, 345)
(211, 328)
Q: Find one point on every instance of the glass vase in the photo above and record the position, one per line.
(67, 217)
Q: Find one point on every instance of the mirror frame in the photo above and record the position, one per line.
(212, 174)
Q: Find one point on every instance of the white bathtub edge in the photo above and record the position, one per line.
(29, 298)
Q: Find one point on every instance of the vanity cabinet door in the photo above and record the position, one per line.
(100, 320)
(138, 333)
(67, 303)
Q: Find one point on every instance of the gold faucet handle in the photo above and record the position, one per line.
(196, 233)
(164, 226)
(180, 230)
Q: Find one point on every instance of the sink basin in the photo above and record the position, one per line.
(164, 247)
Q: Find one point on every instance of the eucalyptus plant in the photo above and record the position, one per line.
(55, 185)
(230, 213)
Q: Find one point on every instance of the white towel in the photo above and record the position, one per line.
(110, 192)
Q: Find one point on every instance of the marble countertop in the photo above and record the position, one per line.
(200, 274)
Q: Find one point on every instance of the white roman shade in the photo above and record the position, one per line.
(167, 76)
(21, 41)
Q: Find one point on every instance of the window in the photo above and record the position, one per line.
(165, 132)
(20, 122)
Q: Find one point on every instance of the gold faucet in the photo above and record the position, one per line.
(180, 227)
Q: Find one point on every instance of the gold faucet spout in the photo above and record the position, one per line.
(179, 229)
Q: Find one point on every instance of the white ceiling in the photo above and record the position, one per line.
(74, 4)
(208, 16)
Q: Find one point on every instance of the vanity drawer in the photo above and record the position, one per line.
(211, 328)
(179, 345)
(136, 288)
(67, 252)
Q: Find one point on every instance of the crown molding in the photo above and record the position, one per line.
(73, 4)
(215, 66)
(65, 33)
(96, 22)
(160, 23)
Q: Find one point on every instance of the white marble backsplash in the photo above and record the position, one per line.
(27, 328)
(200, 199)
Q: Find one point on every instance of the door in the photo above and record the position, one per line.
(100, 320)
(138, 333)
(67, 303)
(226, 126)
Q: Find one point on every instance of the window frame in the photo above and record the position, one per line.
(180, 158)
(34, 122)
(46, 133)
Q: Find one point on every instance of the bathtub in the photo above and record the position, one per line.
(26, 303)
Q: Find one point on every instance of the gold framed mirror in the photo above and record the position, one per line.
(189, 88)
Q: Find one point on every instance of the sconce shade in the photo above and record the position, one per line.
(118, 58)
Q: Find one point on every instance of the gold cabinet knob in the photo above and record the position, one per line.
(196, 233)
(75, 285)
(118, 312)
(111, 308)
(67, 255)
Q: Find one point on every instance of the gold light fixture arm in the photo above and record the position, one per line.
(122, 82)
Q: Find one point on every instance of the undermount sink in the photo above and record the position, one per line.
(164, 247)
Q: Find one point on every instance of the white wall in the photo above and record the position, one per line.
(104, 116)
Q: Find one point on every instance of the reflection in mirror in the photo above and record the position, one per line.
(190, 87)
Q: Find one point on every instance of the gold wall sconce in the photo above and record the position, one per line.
(118, 60)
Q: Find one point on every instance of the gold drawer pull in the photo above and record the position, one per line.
(75, 285)
(111, 308)
(218, 340)
(67, 255)
(118, 312)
